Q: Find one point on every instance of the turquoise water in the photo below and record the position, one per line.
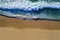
(34, 0)
(45, 0)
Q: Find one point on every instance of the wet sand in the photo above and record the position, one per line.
(42, 24)
(14, 29)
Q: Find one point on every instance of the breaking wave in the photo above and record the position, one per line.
(31, 10)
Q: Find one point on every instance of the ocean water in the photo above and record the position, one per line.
(31, 9)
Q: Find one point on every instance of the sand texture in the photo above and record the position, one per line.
(15, 29)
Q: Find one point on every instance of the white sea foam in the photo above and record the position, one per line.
(28, 5)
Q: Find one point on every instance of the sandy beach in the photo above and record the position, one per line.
(42, 24)
(15, 29)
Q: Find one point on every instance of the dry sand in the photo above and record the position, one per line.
(14, 29)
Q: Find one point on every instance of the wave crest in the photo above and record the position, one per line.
(38, 9)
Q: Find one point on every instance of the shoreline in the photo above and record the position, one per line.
(16, 23)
